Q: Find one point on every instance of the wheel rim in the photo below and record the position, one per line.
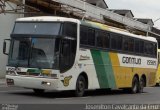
(81, 86)
(141, 85)
(135, 87)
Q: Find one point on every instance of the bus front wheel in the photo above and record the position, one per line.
(80, 86)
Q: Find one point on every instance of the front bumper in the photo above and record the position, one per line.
(33, 82)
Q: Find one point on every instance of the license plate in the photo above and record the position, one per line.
(10, 81)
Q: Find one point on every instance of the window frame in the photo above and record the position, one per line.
(120, 41)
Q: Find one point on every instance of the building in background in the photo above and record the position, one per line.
(123, 12)
(146, 21)
(6, 26)
(98, 3)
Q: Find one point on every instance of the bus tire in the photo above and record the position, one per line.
(135, 85)
(80, 86)
(38, 91)
(141, 85)
(157, 85)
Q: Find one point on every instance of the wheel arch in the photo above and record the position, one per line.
(137, 76)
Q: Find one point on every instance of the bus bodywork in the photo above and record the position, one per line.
(55, 53)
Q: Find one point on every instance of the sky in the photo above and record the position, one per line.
(140, 8)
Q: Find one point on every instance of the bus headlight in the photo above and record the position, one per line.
(46, 83)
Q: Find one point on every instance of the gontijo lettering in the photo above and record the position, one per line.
(131, 60)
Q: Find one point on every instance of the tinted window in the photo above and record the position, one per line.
(99, 36)
(68, 53)
(87, 36)
(102, 39)
(70, 29)
(113, 42)
(128, 44)
(83, 35)
(139, 46)
(107, 40)
(37, 28)
(91, 37)
(150, 48)
(116, 41)
(155, 49)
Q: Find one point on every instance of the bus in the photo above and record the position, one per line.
(158, 70)
(66, 54)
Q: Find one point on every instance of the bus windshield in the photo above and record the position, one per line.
(34, 52)
(37, 44)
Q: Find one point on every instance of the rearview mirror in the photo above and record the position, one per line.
(6, 45)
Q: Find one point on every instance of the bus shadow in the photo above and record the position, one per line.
(69, 94)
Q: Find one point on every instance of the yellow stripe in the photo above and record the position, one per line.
(124, 75)
(102, 26)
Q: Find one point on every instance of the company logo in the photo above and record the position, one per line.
(66, 80)
(82, 57)
(131, 60)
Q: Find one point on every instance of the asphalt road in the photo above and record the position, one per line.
(13, 95)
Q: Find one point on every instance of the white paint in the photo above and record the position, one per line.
(89, 68)
(48, 18)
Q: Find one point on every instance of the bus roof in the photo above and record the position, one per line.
(47, 19)
(87, 23)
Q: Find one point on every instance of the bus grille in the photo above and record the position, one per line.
(28, 74)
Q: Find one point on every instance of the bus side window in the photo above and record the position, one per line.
(141, 47)
(113, 43)
(155, 50)
(116, 42)
(137, 46)
(91, 37)
(70, 29)
(83, 35)
(99, 38)
(158, 57)
(102, 39)
(128, 44)
(107, 40)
